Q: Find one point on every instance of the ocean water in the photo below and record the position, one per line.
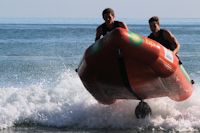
(41, 92)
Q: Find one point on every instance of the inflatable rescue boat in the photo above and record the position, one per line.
(125, 65)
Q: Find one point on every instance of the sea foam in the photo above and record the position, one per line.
(69, 104)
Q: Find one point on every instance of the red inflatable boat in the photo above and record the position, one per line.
(125, 65)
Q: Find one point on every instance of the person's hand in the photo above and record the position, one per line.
(175, 52)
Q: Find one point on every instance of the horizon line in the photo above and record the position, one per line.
(41, 20)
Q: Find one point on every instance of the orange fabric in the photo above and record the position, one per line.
(152, 70)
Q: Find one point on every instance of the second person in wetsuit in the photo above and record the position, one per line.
(163, 36)
(109, 24)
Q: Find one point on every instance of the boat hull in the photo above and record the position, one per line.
(125, 65)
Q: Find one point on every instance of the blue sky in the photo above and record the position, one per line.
(138, 9)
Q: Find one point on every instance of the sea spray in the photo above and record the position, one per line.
(40, 87)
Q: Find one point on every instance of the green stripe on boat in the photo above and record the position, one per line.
(95, 47)
(135, 39)
(185, 73)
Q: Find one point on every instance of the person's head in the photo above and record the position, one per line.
(154, 24)
(108, 15)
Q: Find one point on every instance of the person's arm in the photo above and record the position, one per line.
(123, 25)
(149, 36)
(172, 39)
(98, 33)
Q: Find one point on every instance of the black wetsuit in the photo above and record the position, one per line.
(160, 38)
(106, 29)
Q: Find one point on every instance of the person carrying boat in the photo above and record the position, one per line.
(109, 24)
(164, 37)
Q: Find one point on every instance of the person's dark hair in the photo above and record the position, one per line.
(108, 10)
(154, 19)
